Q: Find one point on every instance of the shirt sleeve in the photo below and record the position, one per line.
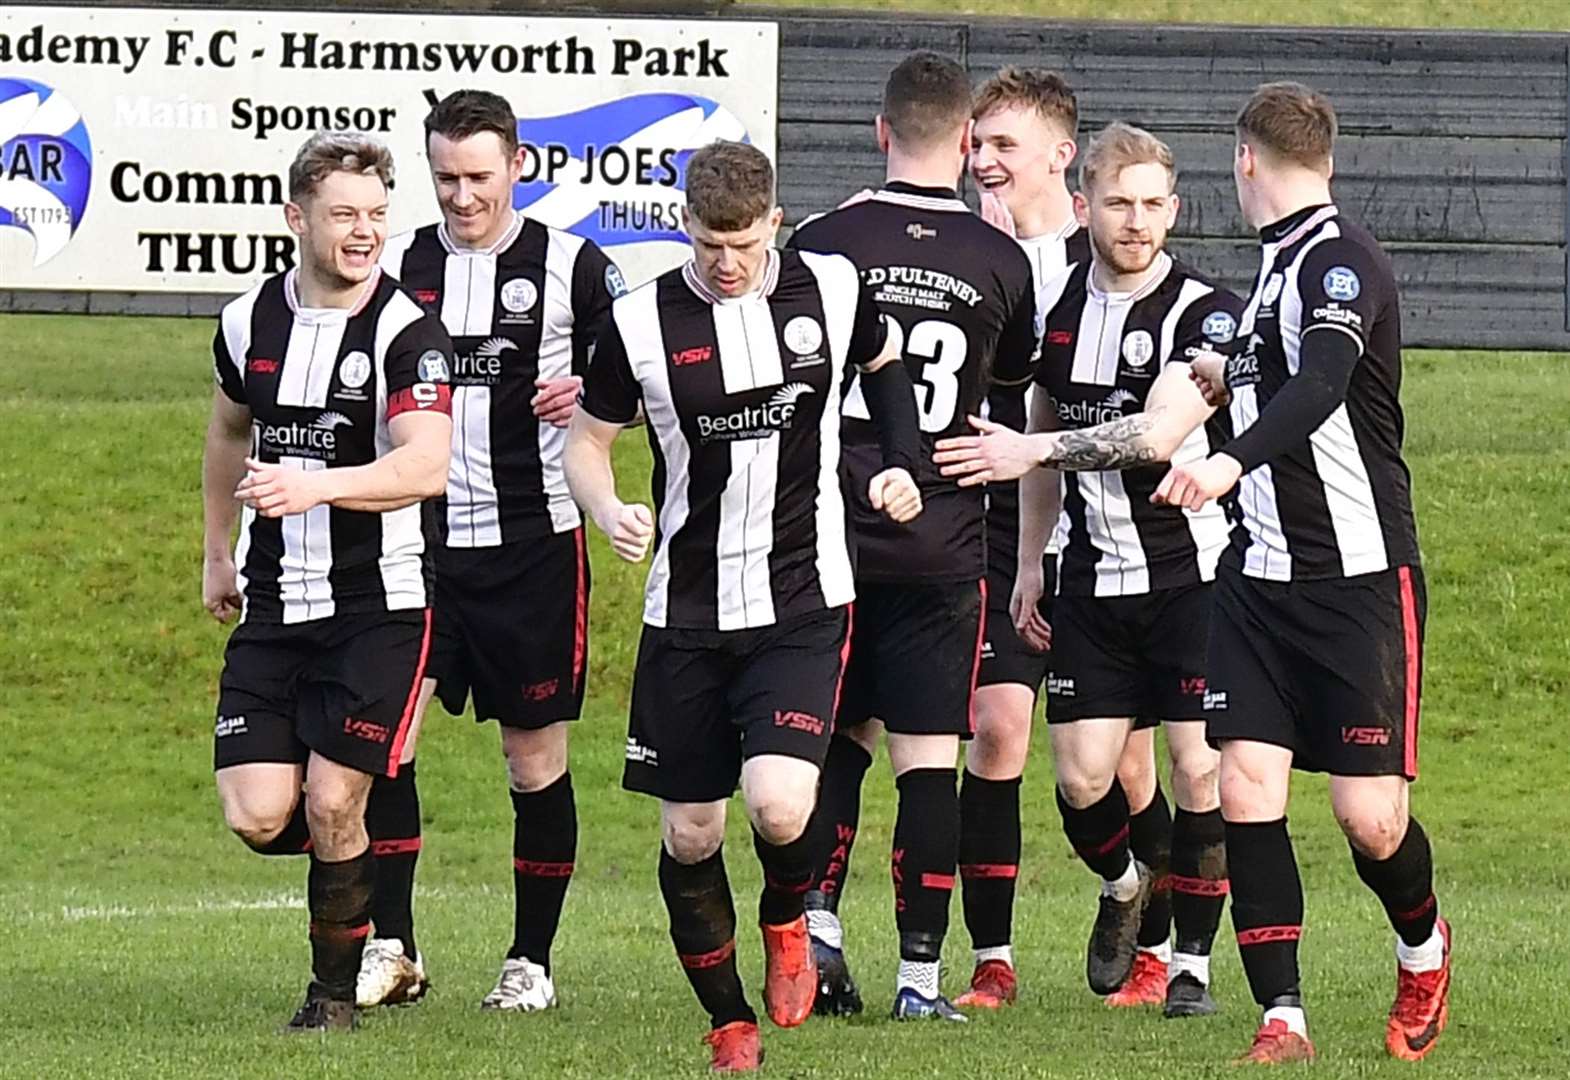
(1208, 325)
(596, 281)
(1341, 289)
(1019, 346)
(419, 369)
(611, 391)
(226, 369)
(869, 329)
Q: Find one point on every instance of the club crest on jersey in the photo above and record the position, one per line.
(1341, 283)
(354, 371)
(1219, 327)
(433, 367)
(1138, 348)
(1272, 290)
(519, 295)
(803, 336)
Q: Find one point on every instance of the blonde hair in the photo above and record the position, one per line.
(1119, 145)
(1292, 122)
(328, 152)
(1029, 88)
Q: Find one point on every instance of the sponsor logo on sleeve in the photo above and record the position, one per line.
(1341, 283)
(1219, 327)
(432, 367)
(615, 284)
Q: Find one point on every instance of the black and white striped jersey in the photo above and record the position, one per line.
(1100, 354)
(321, 385)
(1340, 503)
(1050, 254)
(525, 308)
(742, 402)
(959, 292)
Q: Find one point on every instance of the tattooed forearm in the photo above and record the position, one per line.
(1118, 444)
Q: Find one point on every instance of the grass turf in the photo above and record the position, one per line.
(145, 941)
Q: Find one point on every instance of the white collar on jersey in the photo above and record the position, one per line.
(919, 202)
(1310, 223)
(1163, 268)
(1063, 232)
(291, 293)
(502, 244)
(771, 278)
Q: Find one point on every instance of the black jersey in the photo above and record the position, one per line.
(960, 294)
(1340, 503)
(321, 385)
(525, 308)
(742, 400)
(1050, 254)
(1100, 354)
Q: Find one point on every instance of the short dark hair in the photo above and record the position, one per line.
(468, 112)
(926, 99)
(328, 152)
(730, 185)
(1291, 121)
(1047, 92)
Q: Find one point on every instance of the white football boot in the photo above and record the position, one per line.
(387, 976)
(522, 987)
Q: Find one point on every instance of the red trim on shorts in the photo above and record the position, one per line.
(839, 683)
(708, 959)
(1117, 838)
(531, 868)
(580, 619)
(396, 847)
(975, 666)
(1264, 935)
(1414, 660)
(1194, 886)
(989, 870)
(937, 881)
(396, 751)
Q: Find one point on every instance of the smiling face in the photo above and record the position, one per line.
(474, 176)
(1014, 153)
(342, 225)
(1128, 214)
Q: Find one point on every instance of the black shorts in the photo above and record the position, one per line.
(703, 701)
(914, 657)
(1331, 670)
(1136, 656)
(512, 629)
(1005, 657)
(344, 686)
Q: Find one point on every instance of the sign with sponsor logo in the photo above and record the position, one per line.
(148, 149)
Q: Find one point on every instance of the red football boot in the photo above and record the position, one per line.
(737, 1047)
(1146, 983)
(1276, 1044)
(992, 985)
(790, 982)
(1421, 1008)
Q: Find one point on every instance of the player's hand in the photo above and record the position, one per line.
(861, 196)
(1209, 372)
(220, 588)
(996, 212)
(896, 494)
(1192, 486)
(278, 490)
(997, 454)
(1028, 623)
(556, 399)
(630, 530)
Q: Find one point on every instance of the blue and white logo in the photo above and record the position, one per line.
(1219, 327)
(433, 367)
(616, 173)
(615, 284)
(1341, 284)
(46, 165)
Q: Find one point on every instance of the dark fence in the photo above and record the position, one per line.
(1453, 145)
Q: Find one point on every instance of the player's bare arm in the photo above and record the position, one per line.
(1040, 496)
(414, 471)
(556, 399)
(590, 478)
(223, 467)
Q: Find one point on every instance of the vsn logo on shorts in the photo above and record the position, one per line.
(616, 173)
(46, 165)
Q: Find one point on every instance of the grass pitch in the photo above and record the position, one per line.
(144, 941)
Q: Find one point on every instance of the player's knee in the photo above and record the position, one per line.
(256, 827)
(1376, 833)
(330, 812)
(691, 841)
(780, 820)
(1195, 781)
(1083, 787)
(1001, 744)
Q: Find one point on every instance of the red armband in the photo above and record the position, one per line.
(421, 397)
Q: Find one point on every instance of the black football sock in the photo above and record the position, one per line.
(1199, 879)
(293, 839)
(989, 846)
(926, 849)
(787, 874)
(1150, 841)
(838, 816)
(339, 897)
(1099, 832)
(544, 846)
(1404, 884)
(1267, 908)
(392, 818)
(703, 929)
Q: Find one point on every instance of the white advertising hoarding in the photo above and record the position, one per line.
(147, 149)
